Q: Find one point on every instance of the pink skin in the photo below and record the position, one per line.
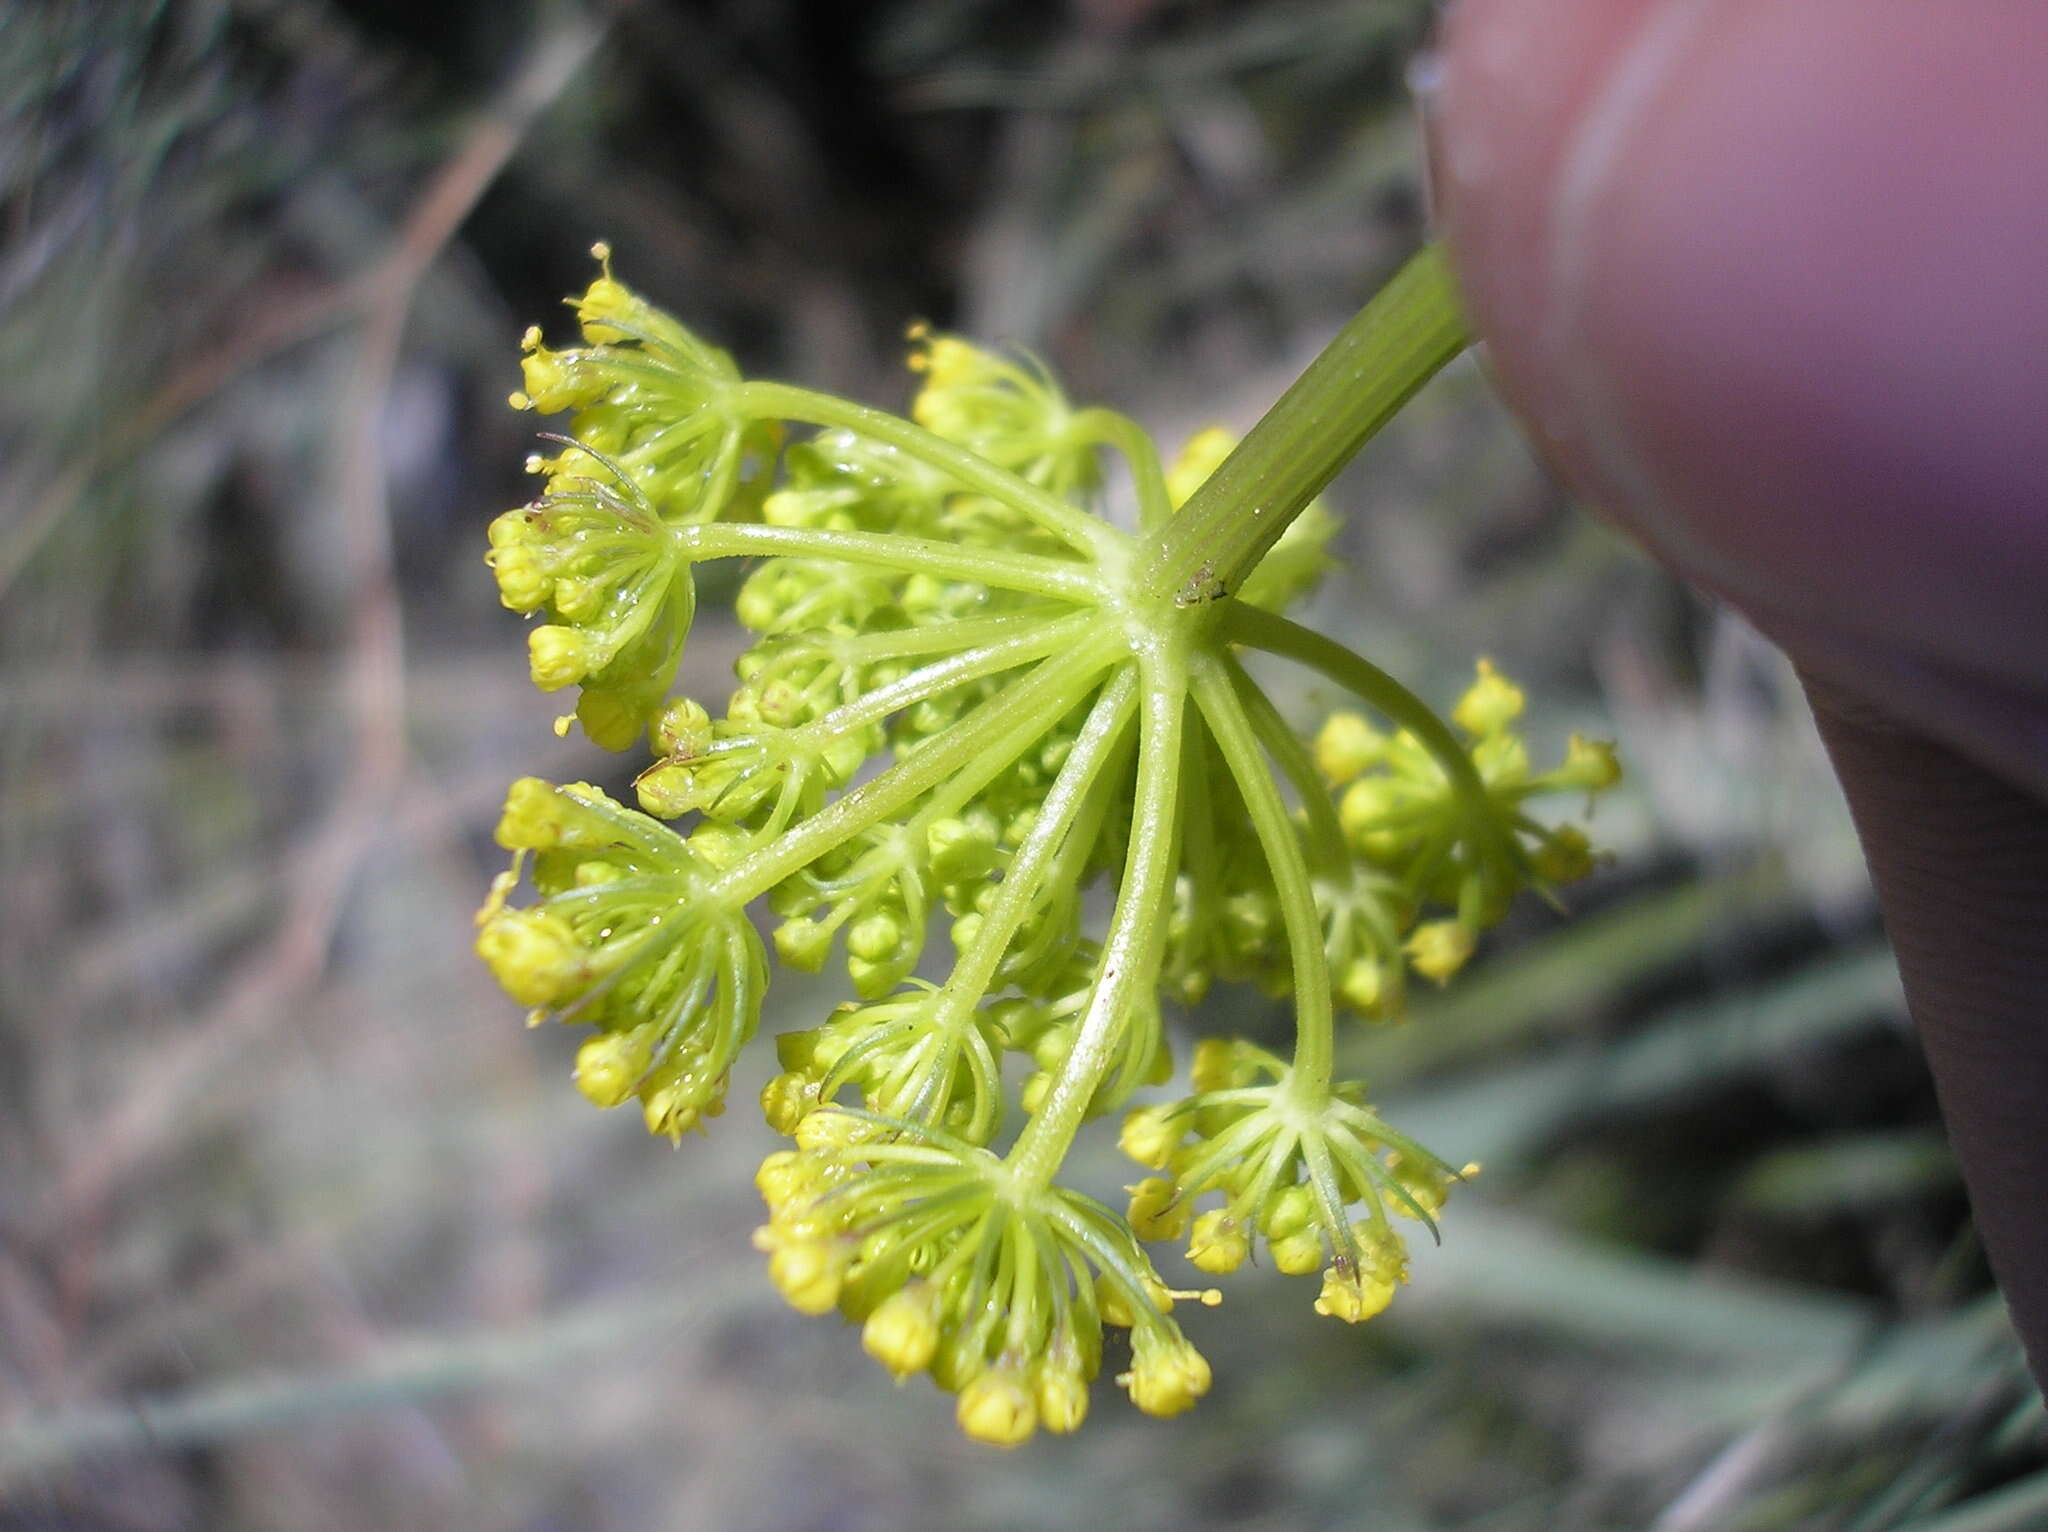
(1769, 282)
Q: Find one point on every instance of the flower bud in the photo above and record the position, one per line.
(1346, 746)
(808, 1274)
(524, 579)
(829, 1130)
(1425, 1184)
(561, 656)
(1288, 1210)
(534, 956)
(1218, 1243)
(1157, 1211)
(610, 1065)
(1354, 1297)
(554, 380)
(785, 1100)
(997, 1409)
(1438, 948)
(803, 944)
(1202, 454)
(533, 816)
(1588, 763)
(1150, 1136)
(681, 728)
(1362, 985)
(785, 1174)
(1364, 809)
(668, 789)
(1031, 1096)
(1219, 1063)
(1297, 1254)
(611, 719)
(1166, 1376)
(1489, 705)
(875, 937)
(903, 1331)
(1062, 1398)
(1564, 856)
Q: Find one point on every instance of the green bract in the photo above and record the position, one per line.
(971, 700)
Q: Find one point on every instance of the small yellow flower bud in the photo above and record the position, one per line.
(1502, 759)
(807, 1273)
(719, 845)
(524, 583)
(512, 529)
(1288, 1210)
(1356, 1297)
(803, 944)
(1201, 456)
(965, 930)
(1156, 1210)
(609, 719)
(1428, 1186)
(1589, 763)
(1362, 984)
(667, 790)
(532, 816)
(1218, 1243)
(1565, 856)
(783, 1175)
(829, 1130)
(1365, 808)
(960, 850)
(1296, 1254)
(676, 1096)
(784, 1101)
(560, 656)
(1113, 1303)
(578, 599)
(1347, 746)
(1166, 1377)
(610, 1065)
(534, 956)
(1062, 1399)
(949, 362)
(1150, 1136)
(1439, 948)
(1032, 1095)
(608, 299)
(903, 1331)
(1490, 704)
(843, 756)
(997, 1409)
(554, 382)
(875, 937)
(1219, 1064)
(681, 728)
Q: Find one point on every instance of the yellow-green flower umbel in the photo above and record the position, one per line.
(972, 698)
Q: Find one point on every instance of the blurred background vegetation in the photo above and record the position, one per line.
(299, 1229)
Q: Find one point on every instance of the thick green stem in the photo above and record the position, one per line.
(1394, 345)
(1314, 1013)
(1137, 929)
(1058, 578)
(782, 401)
